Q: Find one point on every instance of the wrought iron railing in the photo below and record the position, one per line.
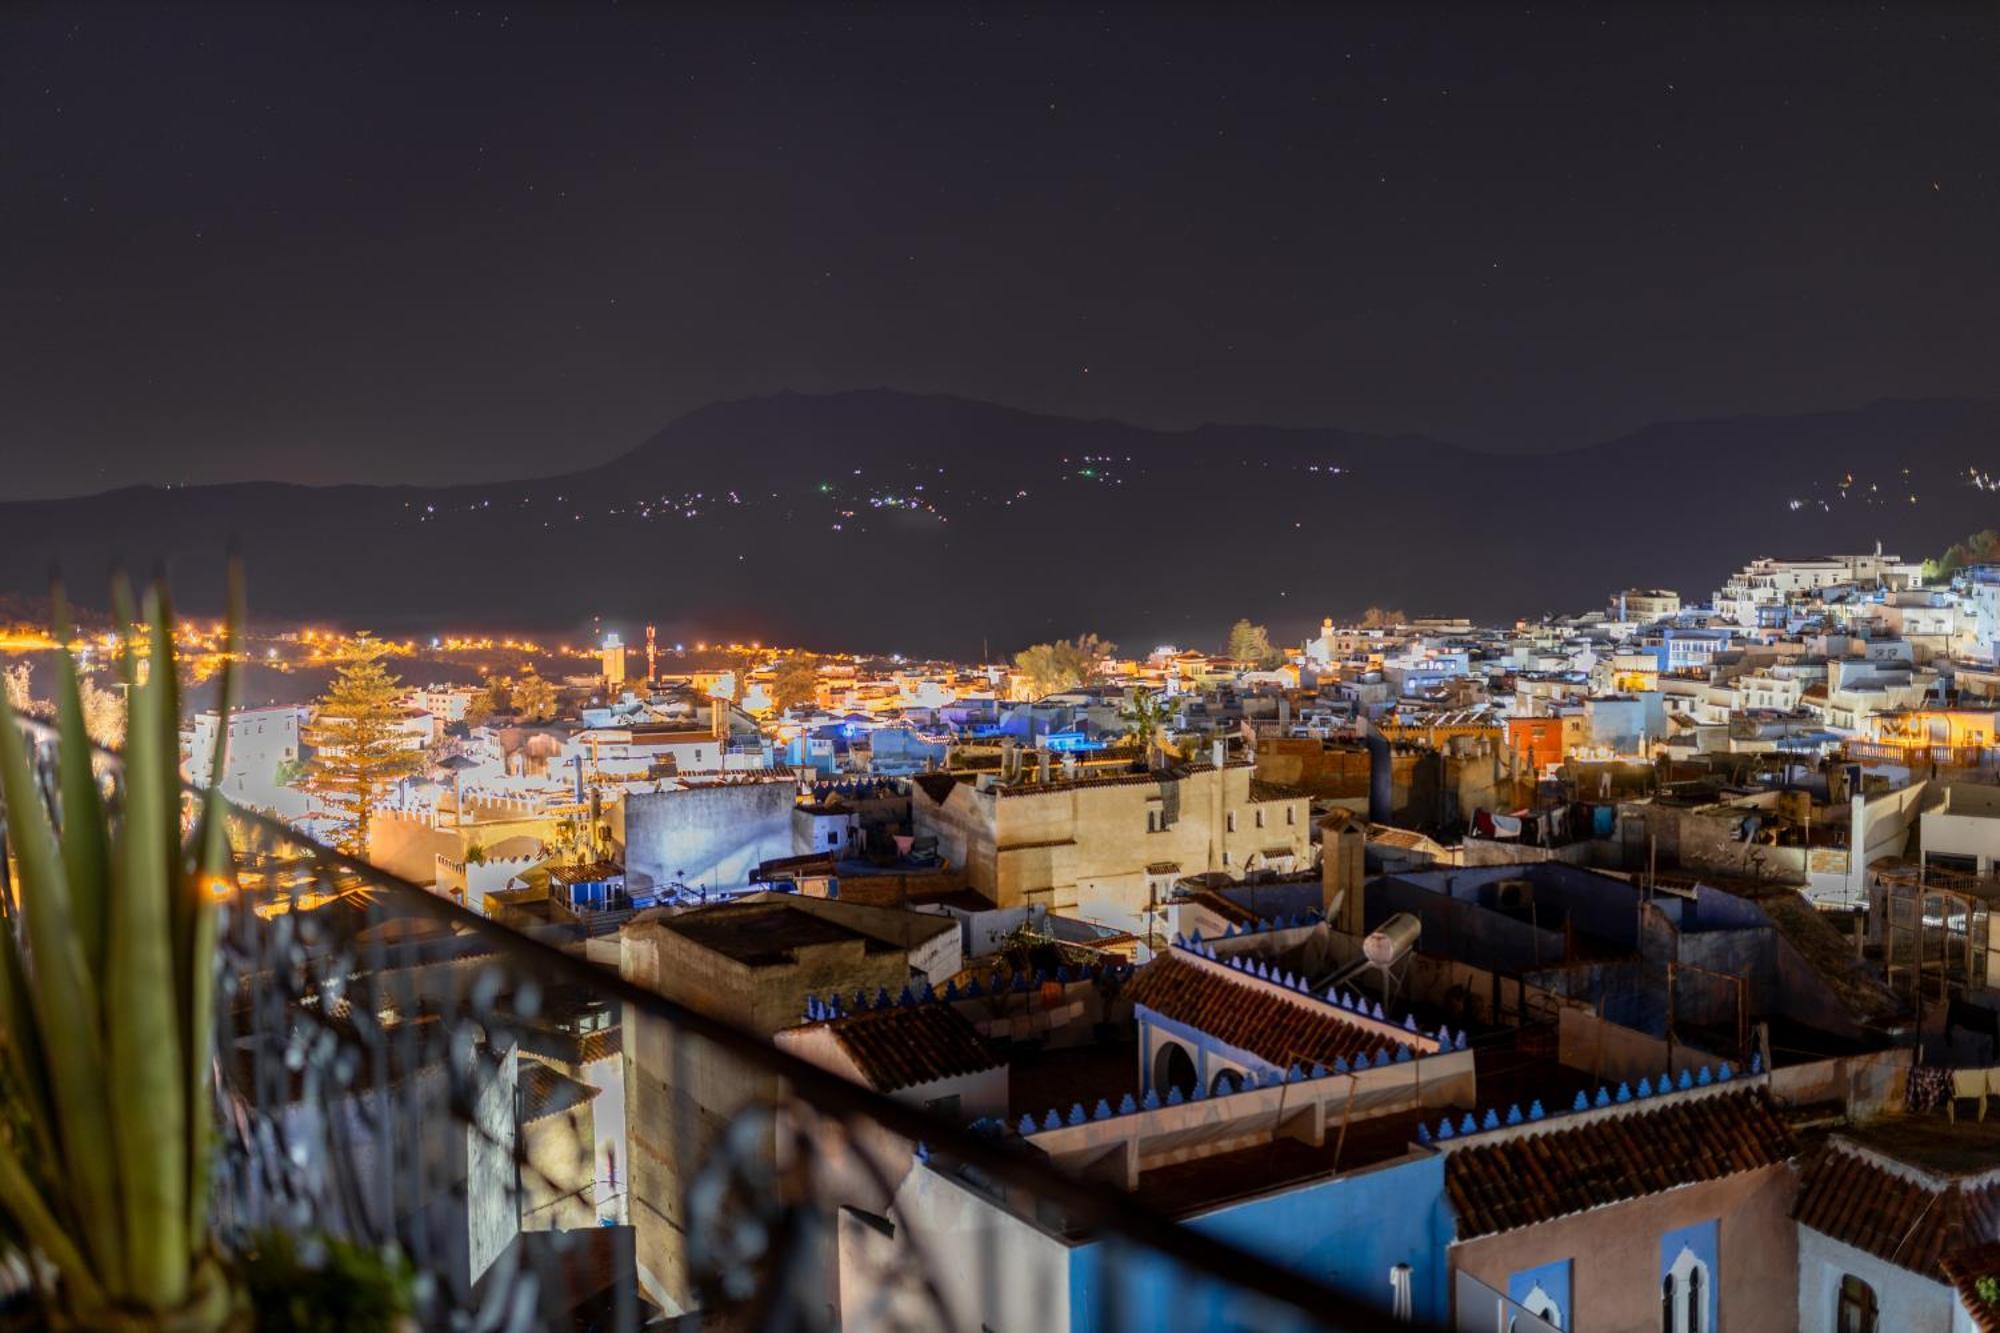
(397, 1070)
(407, 1073)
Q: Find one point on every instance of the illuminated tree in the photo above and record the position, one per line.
(796, 684)
(1050, 668)
(1145, 714)
(1252, 643)
(1979, 549)
(103, 710)
(360, 749)
(532, 697)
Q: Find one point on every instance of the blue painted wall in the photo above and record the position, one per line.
(1700, 1238)
(1347, 1233)
(1552, 1279)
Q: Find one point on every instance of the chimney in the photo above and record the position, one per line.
(1342, 872)
(1041, 764)
(1380, 771)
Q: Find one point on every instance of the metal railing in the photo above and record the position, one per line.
(518, 1118)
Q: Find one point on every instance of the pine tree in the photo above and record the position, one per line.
(359, 749)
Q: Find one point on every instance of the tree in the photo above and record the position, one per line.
(532, 697)
(1050, 668)
(1377, 617)
(796, 683)
(1978, 549)
(359, 748)
(478, 709)
(103, 710)
(1252, 643)
(1145, 714)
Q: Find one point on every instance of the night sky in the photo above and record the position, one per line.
(417, 243)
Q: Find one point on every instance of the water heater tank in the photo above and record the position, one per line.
(1392, 939)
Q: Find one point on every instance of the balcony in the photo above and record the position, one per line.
(395, 1071)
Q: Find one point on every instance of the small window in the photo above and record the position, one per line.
(1225, 858)
(1291, 816)
(1260, 819)
(1858, 1311)
(1230, 821)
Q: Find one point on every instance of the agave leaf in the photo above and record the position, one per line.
(143, 1009)
(127, 616)
(66, 1007)
(26, 1062)
(25, 1205)
(215, 872)
(86, 848)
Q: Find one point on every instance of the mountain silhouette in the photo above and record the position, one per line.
(883, 521)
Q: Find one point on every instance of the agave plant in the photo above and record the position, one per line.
(106, 1001)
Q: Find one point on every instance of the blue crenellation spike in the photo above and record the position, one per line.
(1686, 1081)
(1624, 1093)
(1645, 1088)
(1224, 1085)
(1582, 1102)
(1704, 1078)
(1027, 1125)
(1468, 1125)
(1101, 1111)
(1295, 1074)
(1403, 1055)
(1603, 1097)
(1126, 1104)
(1151, 1101)
(1175, 1096)
(1492, 1120)
(1076, 1116)
(1199, 1094)
(1514, 1116)
(1535, 1111)
(1724, 1074)
(1423, 1132)
(1445, 1130)
(1052, 1121)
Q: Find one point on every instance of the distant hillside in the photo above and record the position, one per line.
(926, 524)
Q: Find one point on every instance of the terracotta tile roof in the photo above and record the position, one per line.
(905, 1046)
(1910, 1219)
(1528, 1178)
(546, 1091)
(1249, 1016)
(572, 1047)
(1964, 1270)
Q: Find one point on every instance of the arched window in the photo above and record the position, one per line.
(1684, 1295)
(1173, 1067)
(1858, 1311)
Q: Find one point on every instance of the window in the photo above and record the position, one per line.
(1684, 1294)
(1230, 821)
(1858, 1311)
(1260, 819)
(1291, 815)
(1225, 858)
